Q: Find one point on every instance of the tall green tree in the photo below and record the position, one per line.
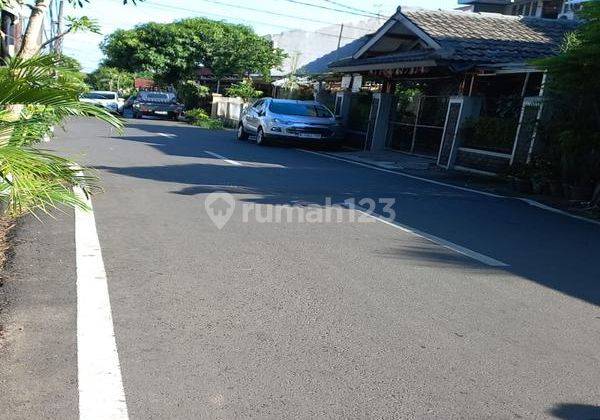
(174, 51)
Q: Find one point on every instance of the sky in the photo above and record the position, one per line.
(266, 19)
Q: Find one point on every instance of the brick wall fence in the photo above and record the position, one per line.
(228, 109)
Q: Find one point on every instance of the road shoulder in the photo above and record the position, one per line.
(38, 373)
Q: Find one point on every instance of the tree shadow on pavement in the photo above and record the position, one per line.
(555, 251)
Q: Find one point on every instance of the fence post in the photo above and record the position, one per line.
(342, 106)
(381, 104)
(214, 109)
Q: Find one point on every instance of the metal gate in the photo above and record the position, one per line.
(417, 124)
(372, 118)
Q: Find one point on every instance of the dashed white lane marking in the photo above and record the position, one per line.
(166, 135)
(231, 162)
(101, 393)
(438, 241)
(430, 181)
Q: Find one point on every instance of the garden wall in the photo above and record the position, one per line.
(227, 109)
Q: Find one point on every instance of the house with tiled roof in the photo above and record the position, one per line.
(456, 86)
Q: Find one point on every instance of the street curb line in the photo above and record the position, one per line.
(525, 200)
(378, 168)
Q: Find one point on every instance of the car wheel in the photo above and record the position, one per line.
(241, 133)
(260, 137)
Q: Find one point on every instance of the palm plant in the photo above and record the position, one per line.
(36, 94)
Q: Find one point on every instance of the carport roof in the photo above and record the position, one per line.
(464, 38)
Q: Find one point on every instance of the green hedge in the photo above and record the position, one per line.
(490, 133)
(200, 118)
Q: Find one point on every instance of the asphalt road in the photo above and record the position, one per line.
(303, 320)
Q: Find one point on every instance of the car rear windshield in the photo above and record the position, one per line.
(97, 95)
(305, 110)
(157, 97)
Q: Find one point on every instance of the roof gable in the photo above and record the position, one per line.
(398, 25)
(464, 37)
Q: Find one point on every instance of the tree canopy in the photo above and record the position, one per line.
(572, 129)
(112, 79)
(174, 51)
(576, 70)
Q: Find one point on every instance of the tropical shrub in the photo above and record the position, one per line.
(191, 93)
(200, 118)
(572, 111)
(35, 95)
(245, 90)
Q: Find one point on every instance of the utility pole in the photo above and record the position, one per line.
(340, 37)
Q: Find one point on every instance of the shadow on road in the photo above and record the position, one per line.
(576, 412)
(555, 251)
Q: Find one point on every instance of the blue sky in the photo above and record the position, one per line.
(111, 14)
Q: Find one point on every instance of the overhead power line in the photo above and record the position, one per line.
(355, 9)
(319, 6)
(204, 14)
(268, 12)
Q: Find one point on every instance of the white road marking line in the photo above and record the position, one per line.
(558, 211)
(430, 181)
(101, 393)
(438, 241)
(166, 135)
(526, 200)
(231, 162)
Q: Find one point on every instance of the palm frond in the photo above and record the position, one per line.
(35, 95)
(33, 180)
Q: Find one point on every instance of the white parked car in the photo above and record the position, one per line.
(105, 99)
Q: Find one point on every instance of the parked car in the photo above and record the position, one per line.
(289, 120)
(129, 101)
(158, 104)
(120, 105)
(105, 99)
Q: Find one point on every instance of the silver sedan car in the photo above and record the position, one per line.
(289, 120)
